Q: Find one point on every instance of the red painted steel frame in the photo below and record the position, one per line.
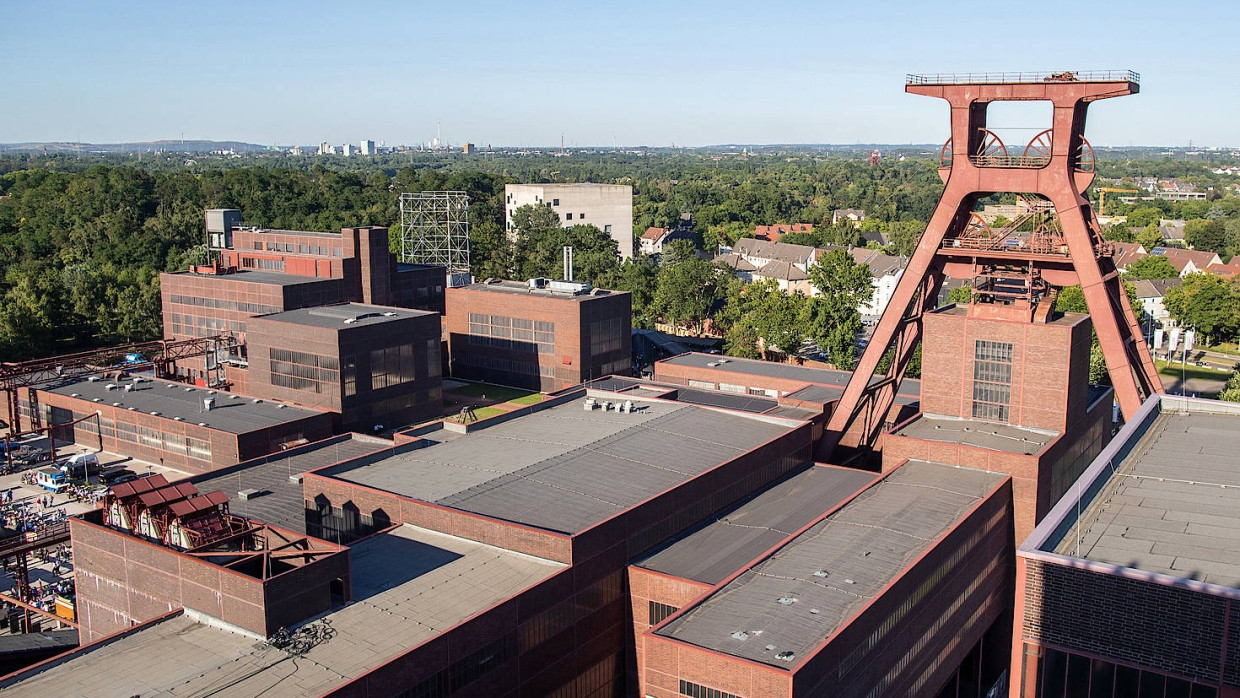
(1061, 181)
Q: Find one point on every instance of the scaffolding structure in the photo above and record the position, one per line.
(434, 229)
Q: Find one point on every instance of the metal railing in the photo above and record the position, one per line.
(1024, 162)
(1002, 78)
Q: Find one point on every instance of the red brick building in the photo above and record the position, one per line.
(897, 591)
(538, 335)
(371, 365)
(1130, 585)
(164, 422)
(1009, 395)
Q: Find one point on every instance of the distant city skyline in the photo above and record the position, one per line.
(690, 74)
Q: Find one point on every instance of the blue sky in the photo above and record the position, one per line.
(653, 73)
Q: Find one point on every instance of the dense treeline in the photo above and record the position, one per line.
(82, 240)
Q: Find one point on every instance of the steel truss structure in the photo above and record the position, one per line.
(1064, 246)
(434, 229)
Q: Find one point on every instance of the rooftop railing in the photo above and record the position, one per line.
(1002, 78)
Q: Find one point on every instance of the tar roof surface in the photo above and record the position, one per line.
(169, 399)
(996, 436)
(566, 469)
(1162, 508)
(409, 585)
(807, 374)
(282, 501)
(522, 288)
(334, 316)
(711, 552)
(273, 278)
(859, 549)
(1056, 319)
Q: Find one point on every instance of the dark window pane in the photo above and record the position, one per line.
(1078, 677)
(1152, 684)
(1102, 682)
(1178, 688)
(1127, 681)
(1200, 691)
(1054, 668)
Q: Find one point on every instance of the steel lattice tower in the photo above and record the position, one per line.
(434, 229)
(1066, 247)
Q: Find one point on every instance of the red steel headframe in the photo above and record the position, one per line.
(1059, 171)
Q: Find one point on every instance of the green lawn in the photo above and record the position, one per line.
(498, 392)
(480, 413)
(1172, 370)
(1226, 348)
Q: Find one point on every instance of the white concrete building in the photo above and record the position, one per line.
(368, 148)
(608, 207)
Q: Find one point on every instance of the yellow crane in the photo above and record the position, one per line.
(1102, 196)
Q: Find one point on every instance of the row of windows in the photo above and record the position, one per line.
(493, 363)
(606, 336)
(693, 690)
(984, 350)
(263, 264)
(511, 333)
(992, 371)
(517, 322)
(320, 250)
(1065, 674)
(391, 366)
(659, 612)
(249, 308)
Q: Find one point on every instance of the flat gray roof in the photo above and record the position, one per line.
(996, 436)
(170, 400)
(1066, 319)
(339, 316)
(565, 468)
(282, 502)
(733, 539)
(741, 402)
(522, 288)
(794, 599)
(409, 585)
(1170, 501)
(273, 278)
(754, 367)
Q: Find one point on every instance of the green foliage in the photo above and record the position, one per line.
(1120, 233)
(760, 314)
(1148, 237)
(1231, 392)
(1150, 267)
(831, 318)
(1144, 216)
(960, 294)
(639, 277)
(1202, 234)
(1208, 303)
(688, 289)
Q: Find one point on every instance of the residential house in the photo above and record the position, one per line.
(1150, 294)
(1188, 261)
(772, 233)
(885, 273)
(741, 268)
(1227, 271)
(855, 215)
(1126, 253)
(652, 238)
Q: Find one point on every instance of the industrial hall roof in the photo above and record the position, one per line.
(279, 498)
(736, 537)
(344, 315)
(1163, 498)
(996, 436)
(786, 605)
(234, 414)
(566, 468)
(805, 374)
(273, 278)
(409, 585)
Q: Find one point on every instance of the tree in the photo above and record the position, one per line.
(1208, 303)
(960, 294)
(763, 313)
(1202, 234)
(688, 290)
(904, 236)
(1150, 267)
(1231, 392)
(1149, 237)
(1144, 216)
(832, 318)
(639, 277)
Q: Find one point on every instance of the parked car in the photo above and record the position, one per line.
(117, 476)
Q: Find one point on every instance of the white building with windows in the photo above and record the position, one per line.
(608, 207)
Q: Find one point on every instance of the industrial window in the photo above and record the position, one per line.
(731, 388)
(992, 380)
(660, 611)
(568, 216)
(701, 384)
(693, 690)
(349, 375)
(258, 246)
(391, 366)
(581, 216)
(607, 228)
(555, 202)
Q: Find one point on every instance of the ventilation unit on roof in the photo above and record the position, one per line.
(235, 397)
(389, 314)
(110, 386)
(786, 656)
(75, 395)
(350, 321)
(280, 407)
(256, 401)
(133, 409)
(202, 424)
(92, 379)
(116, 404)
(154, 414)
(740, 635)
(177, 419)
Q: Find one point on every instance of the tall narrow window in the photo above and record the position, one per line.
(992, 380)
